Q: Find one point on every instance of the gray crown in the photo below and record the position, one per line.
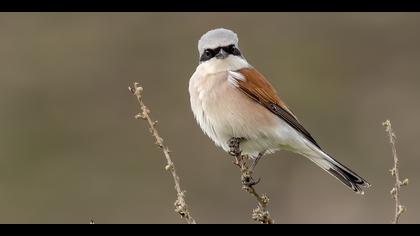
(217, 38)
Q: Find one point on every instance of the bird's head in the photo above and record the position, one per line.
(218, 44)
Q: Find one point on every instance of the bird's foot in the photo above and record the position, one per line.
(241, 161)
(248, 181)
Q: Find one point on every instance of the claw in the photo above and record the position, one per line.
(249, 181)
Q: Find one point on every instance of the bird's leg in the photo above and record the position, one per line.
(256, 160)
(241, 162)
(247, 179)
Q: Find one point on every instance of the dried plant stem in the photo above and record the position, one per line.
(395, 192)
(260, 213)
(180, 204)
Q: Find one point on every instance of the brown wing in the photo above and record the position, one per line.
(258, 88)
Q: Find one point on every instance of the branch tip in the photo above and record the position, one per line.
(180, 205)
(395, 191)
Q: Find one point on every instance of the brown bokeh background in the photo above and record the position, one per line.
(71, 151)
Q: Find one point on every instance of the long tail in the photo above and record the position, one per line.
(339, 171)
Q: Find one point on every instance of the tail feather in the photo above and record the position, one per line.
(339, 171)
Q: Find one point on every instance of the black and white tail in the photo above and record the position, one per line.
(339, 171)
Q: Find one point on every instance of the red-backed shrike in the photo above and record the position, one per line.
(231, 99)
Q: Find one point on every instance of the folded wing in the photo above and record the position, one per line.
(253, 84)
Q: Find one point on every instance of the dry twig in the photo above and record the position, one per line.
(395, 192)
(260, 213)
(180, 205)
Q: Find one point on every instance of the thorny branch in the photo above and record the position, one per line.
(395, 192)
(180, 204)
(260, 213)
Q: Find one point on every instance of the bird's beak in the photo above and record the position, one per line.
(222, 54)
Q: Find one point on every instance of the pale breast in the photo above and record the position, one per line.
(223, 112)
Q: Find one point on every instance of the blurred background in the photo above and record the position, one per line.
(71, 150)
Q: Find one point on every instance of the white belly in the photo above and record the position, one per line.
(223, 112)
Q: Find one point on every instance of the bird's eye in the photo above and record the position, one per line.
(208, 52)
(207, 55)
(231, 49)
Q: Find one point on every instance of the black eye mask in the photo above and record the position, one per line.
(210, 53)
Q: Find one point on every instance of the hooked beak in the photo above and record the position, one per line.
(222, 54)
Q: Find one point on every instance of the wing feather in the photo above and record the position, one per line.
(254, 85)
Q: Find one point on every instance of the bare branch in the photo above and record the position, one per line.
(260, 213)
(180, 204)
(395, 191)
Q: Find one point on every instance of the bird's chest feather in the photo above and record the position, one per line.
(223, 112)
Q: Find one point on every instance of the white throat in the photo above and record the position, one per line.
(214, 65)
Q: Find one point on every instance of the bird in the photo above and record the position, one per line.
(231, 99)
